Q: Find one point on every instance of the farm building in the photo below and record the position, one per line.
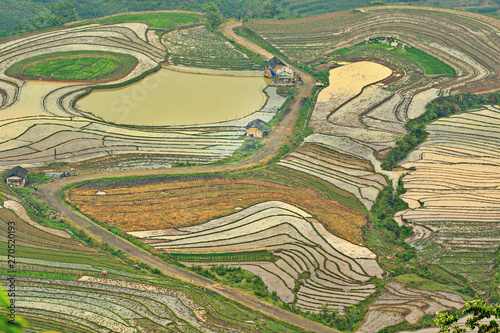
(275, 62)
(16, 177)
(272, 65)
(284, 75)
(255, 128)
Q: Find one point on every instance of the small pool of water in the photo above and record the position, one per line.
(174, 98)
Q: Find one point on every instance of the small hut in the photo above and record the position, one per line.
(255, 128)
(16, 177)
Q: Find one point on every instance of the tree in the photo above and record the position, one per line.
(270, 10)
(479, 311)
(213, 14)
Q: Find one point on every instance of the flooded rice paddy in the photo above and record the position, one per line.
(174, 98)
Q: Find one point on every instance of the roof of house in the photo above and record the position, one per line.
(257, 123)
(286, 71)
(17, 171)
(275, 61)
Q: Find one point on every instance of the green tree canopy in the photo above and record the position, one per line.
(479, 311)
(213, 14)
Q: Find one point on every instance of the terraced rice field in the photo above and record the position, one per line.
(353, 107)
(338, 272)
(347, 172)
(34, 235)
(170, 204)
(109, 305)
(45, 115)
(454, 192)
(58, 287)
(94, 67)
(399, 303)
(465, 41)
(353, 119)
(200, 47)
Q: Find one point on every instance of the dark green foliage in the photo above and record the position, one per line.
(213, 14)
(479, 311)
(20, 16)
(438, 108)
(382, 214)
(323, 77)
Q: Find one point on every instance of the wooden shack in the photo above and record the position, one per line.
(16, 177)
(256, 128)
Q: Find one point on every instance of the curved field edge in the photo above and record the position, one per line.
(439, 108)
(126, 65)
(429, 64)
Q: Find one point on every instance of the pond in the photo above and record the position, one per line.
(175, 98)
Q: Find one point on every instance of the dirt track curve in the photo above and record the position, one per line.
(49, 192)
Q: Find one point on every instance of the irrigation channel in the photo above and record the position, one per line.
(174, 98)
(49, 192)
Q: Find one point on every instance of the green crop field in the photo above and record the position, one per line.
(215, 257)
(430, 64)
(155, 20)
(74, 66)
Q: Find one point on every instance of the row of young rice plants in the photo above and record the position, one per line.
(200, 47)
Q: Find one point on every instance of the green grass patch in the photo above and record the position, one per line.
(417, 282)
(429, 64)
(74, 66)
(222, 257)
(155, 20)
(39, 275)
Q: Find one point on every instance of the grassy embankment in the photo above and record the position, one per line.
(429, 64)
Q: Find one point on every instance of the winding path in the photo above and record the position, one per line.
(49, 192)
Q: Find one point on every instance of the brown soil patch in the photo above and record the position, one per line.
(185, 203)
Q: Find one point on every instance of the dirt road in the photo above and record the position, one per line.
(228, 30)
(49, 192)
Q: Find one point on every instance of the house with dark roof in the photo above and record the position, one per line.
(16, 177)
(256, 128)
(274, 62)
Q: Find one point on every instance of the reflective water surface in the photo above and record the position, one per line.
(174, 98)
